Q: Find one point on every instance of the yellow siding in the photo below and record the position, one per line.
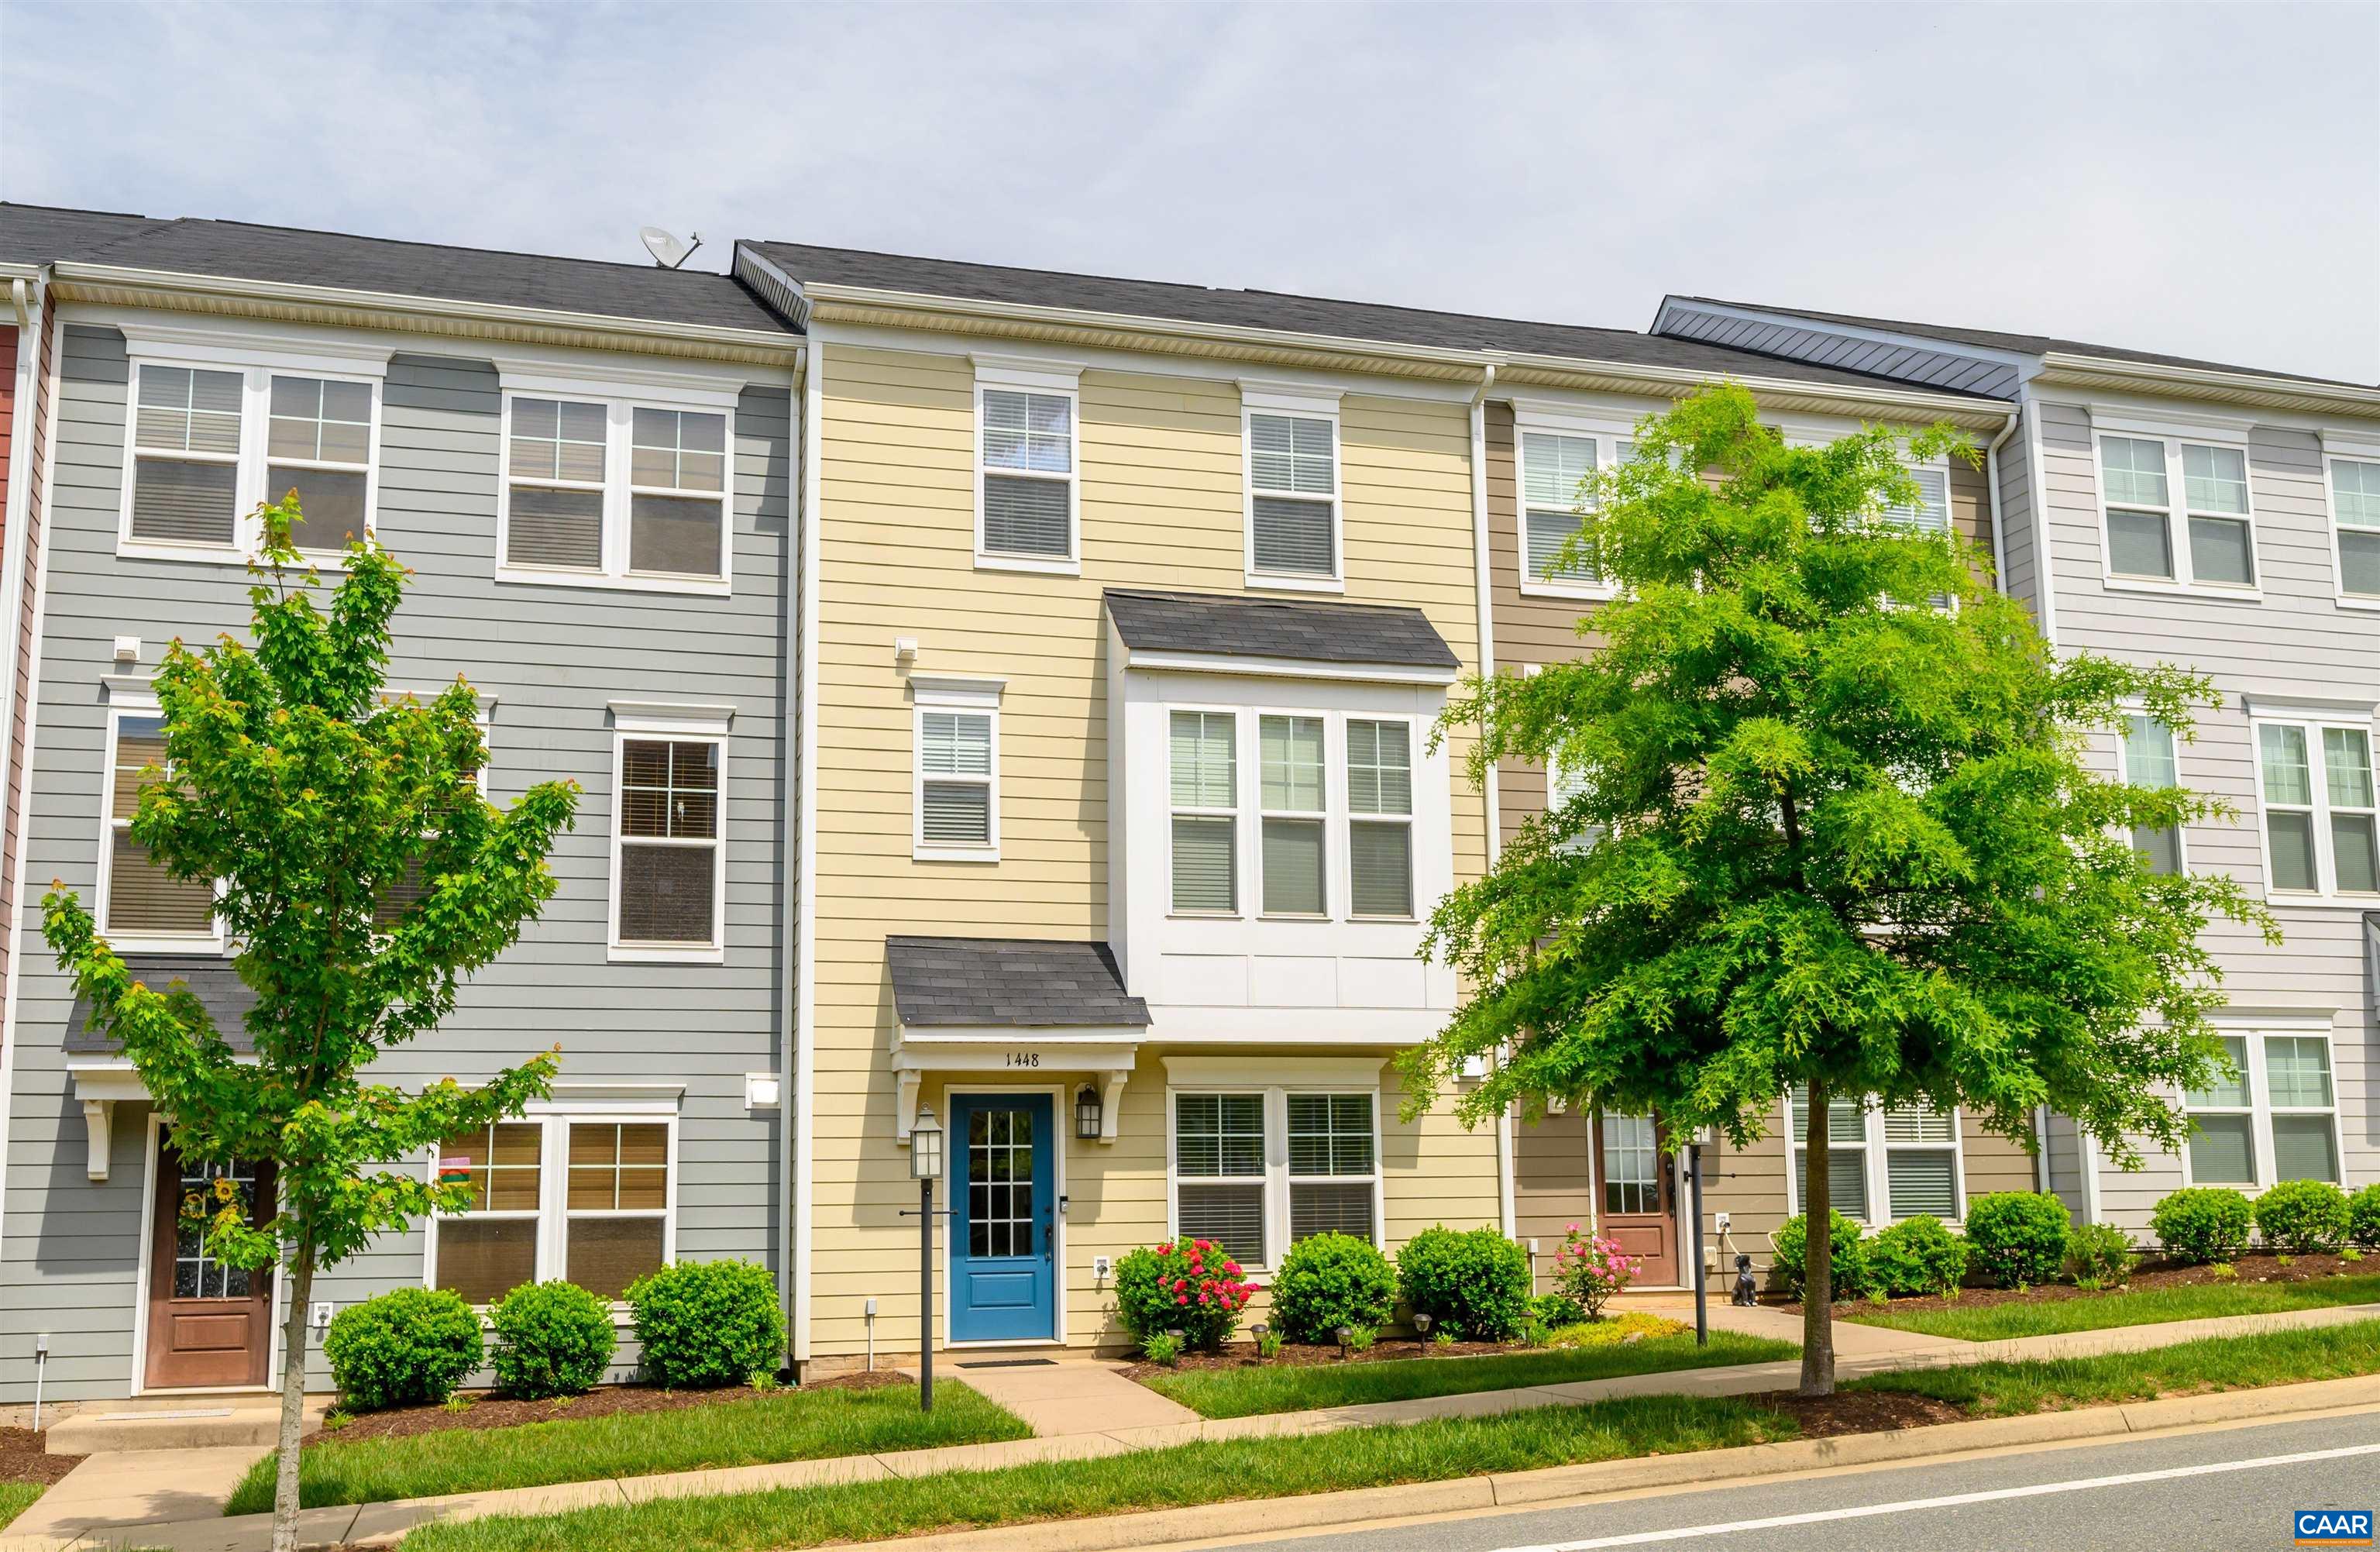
(1161, 506)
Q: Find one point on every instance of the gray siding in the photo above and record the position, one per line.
(2020, 578)
(553, 657)
(1925, 368)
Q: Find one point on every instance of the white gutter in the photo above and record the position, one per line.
(2211, 382)
(806, 567)
(1480, 560)
(1992, 477)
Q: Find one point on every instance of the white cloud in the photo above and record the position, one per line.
(2203, 181)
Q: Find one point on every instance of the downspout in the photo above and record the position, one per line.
(1992, 477)
(789, 877)
(1506, 1214)
(806, 799)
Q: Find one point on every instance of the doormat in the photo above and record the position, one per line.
(1011, 1364)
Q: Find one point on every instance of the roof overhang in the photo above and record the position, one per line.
(2069, 370)
(287, 302)
(1142, 660)
(1011, 1054)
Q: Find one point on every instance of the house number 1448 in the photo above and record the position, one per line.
(1025, 1059)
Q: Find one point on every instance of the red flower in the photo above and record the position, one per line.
(1182, 1298)
(1181, 1283)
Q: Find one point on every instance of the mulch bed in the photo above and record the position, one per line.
(2148, 1275)
(503, 1411)
(1243, 1355)
(21, 1458)
(1857, 1412)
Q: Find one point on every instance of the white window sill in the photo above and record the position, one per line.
(1285, 583)
(124, 944)
(663, 953)
(1208, 915)
(2285, 898)
(1585, 591)
(1049, 564)
(2357, 601)
(213, 554)
(2186, 589)
(1384, 921)
(955, 853)
(692, 586)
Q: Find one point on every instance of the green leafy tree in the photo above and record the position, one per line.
(1831, 827)
(313, 802)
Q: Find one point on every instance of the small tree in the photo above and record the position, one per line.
(313, 804)
(1831, 827)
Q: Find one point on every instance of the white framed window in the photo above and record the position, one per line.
(215, 432)
(1882, 1164)
(1294, 517)
(956, 775)
(1027, 462)
(140, 905)
(608, 487)
(2177, 508)
(2277, 1120)
(1379, 817)
(589, 1196)
(1204, 780)
(2321, 829)
(2355, 527)
(668, 886)
(2149, 761)
(1293, 813)
(1555, 466)
(1257, 1169)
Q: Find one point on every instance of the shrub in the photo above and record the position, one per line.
(1191, 1286)
(2363, 1216)
(2018, 1238)
(1849, 1252)
(408, 1347)
(1269, 1343)
(1554, 1311)
(2302, 1215)
(552, 1339)
(1589, 1269)
(2202, 1224)
(1475, 1281)
(707, 1322)
(2224, 1271)
(2098, 1255)
(1331, 1280)
(1161, 1347)
(1917, 1256)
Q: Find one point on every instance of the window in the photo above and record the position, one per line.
(2275, 1120)
(1379, 822)
(2149, 762)
(583, 1197)
(1026, 483)
(665, 846)
(605, 491)
(1290, 783)
(2355, 509)
(1553, 467)
(1259, 1171)
(1906, 1158)
(2215, 547)
(1293, 497)
(1921, 1162)
(1631, 1164)
(141, 901)
(210, 445)
(1930, 515)
(1206, 807)
(1565, 782)
(1846, 1153)
(1219, 1170)
(2320, 834)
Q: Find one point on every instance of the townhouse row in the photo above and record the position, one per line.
(1006, 696)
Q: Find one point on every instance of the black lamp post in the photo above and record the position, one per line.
(1087, 1114)
(926, 1168)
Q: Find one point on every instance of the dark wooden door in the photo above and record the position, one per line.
(209, 1324)
(1637, 1194)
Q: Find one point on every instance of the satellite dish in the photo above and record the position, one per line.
(668, 251)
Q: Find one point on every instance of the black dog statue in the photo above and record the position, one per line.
(1746, 1290)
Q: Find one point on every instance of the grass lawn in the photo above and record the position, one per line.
(1187, 1475)
(1242, 1392)
(2211, 1364)
(16, 1498)
(2197, 1300)
(742, 1431)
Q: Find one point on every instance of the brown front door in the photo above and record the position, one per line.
(209, 1324)
(1632, 1165)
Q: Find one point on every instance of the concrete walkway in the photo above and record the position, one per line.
(1069, 1396)
(1090, 1418)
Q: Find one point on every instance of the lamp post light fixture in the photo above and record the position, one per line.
(1346, 1335)
(926, 1168)
(1257, 1331)
(1421, 1322)
(1088, 1110)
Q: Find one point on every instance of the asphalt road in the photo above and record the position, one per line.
(2224, 1490)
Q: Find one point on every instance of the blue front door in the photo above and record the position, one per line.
(1004, 1219)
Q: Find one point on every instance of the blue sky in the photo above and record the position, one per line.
(2201, 181)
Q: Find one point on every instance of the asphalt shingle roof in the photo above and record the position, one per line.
(2021, 345)
(1258, 627)
(1024, 982)
(213, 981)
(237, 250)
(808, 264)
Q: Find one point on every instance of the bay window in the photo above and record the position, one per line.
(1379, 822)
(1290, 785)
(1205, 786)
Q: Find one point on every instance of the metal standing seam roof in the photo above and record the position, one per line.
(295, 256)
(1298, 630)
(1017, 982)
(807, 264)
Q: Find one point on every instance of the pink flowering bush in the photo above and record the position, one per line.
(1590, 1268)
(1191, 1286)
